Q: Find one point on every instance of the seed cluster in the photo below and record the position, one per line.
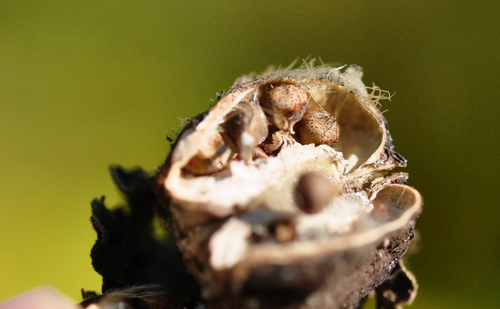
(289, 104)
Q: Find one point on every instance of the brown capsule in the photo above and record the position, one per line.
(312, 247)
(318, 127)
(314, 192)
(285, 104)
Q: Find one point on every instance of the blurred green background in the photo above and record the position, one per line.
(84, 84)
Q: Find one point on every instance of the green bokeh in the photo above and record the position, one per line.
(84, 84)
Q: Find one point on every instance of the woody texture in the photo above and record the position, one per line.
(281, 195)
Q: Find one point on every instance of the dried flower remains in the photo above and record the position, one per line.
(280, 195)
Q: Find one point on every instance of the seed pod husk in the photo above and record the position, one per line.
(243, 233)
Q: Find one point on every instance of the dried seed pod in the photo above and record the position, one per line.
(225, 222)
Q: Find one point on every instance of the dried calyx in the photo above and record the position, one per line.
(281, 189)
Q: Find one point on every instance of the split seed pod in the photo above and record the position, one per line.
(246, 236)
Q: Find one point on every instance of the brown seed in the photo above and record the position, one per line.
(285, 104)
(314, 192)
(284, 232)
(318, 127)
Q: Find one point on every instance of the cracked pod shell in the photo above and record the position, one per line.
(237, 209)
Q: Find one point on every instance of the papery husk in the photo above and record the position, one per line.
(217, 211)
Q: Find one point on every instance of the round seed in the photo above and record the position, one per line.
(314, 192)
